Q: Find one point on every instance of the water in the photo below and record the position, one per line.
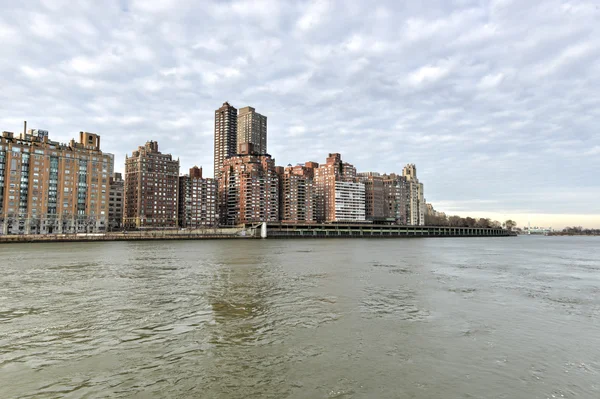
(397, 318)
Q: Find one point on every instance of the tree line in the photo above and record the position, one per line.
(457, 221)
(578, 230)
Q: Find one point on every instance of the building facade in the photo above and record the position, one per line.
(225, 135)
(197, 201)
(375, 209)
(248, 188)
(48, 187)
(151, 188)
(252, 128)
(396, 197)
(328, 193)
(349, 202)
(115, 203)
(416, 207)
(297, 195)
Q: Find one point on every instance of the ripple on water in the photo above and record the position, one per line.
(392, 268)
(398, 303)
(11, 314)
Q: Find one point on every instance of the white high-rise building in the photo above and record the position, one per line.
(349, 202)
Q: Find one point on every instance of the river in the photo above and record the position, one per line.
(444, 318)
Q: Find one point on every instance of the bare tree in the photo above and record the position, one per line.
(510, 224)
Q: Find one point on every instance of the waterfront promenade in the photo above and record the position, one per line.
(147, 235)
(274, 230)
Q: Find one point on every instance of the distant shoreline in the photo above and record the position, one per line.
(574, 234)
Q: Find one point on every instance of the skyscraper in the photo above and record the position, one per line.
(225, 136)
(151, 180)
(252, 128)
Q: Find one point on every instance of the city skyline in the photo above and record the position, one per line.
(494, 132)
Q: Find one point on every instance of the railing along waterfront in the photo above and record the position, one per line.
(282, 230)
(145, 235)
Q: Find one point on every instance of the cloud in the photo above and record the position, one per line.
(497, 102)
(491, 81)
(313, 15)
(429, 73)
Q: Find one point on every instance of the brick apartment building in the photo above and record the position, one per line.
(252, 128)
(197, 200)
(297, 195)
(225, 136)
(49, 187)
(374, 196)
(248, 188)
(115, 202)
(151, 188)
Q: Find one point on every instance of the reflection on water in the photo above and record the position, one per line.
(482, 318)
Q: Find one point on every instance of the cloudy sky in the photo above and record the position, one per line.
(496, 102)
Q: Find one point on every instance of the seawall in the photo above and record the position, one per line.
(280, 230)
(148, 235)
(274, 230)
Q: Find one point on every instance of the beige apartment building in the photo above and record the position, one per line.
(49, 187)
(416, 208)
(225, 136)
(252, 128)
(151, 188)
(197, 200)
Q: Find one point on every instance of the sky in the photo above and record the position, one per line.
(496, 102)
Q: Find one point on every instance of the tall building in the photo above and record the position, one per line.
(151, 180)
(397, 198)
(416, 216)
(349, 202)
(248, 188)
(252, 128)
(197, 200)
(336, 202)
(115, 202)
(296, 195)
(48, 187)
(374, 196)
(225, 135)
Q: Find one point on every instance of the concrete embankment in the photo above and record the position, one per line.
(272, 230)
(201, 234)
(280, 230)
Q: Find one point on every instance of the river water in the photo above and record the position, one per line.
(378, 318)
